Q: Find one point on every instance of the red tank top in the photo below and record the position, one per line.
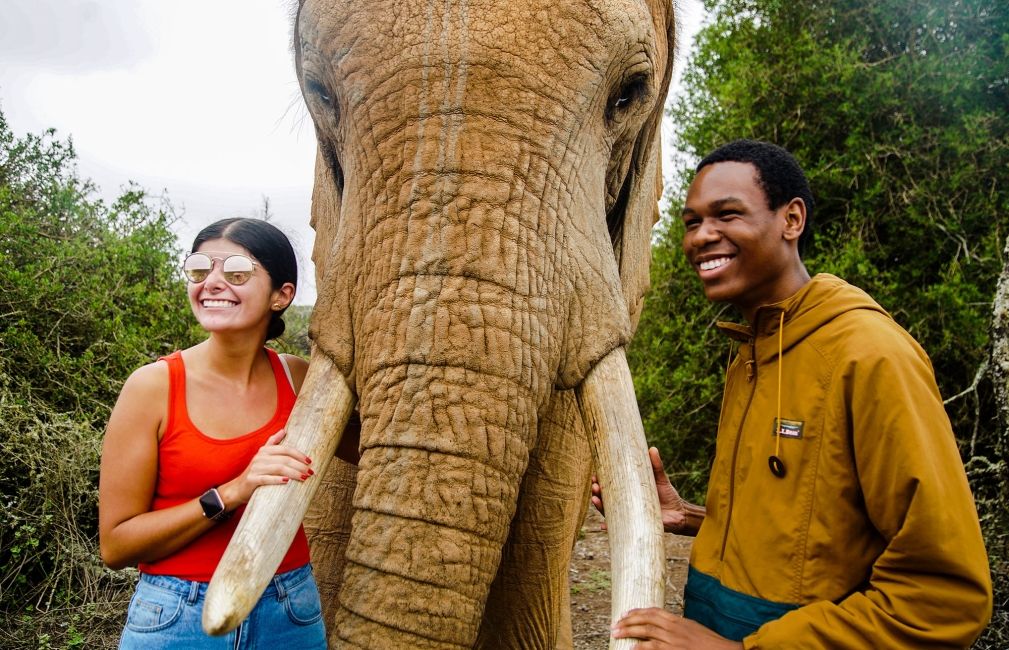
(191, 462)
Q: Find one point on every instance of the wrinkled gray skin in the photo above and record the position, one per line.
(486, 183)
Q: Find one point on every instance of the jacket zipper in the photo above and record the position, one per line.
(750, 375)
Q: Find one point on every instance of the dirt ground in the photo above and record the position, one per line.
(590, 582)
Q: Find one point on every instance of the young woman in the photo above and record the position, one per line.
(190, 438)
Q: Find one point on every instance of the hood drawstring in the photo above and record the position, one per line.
(774, 461)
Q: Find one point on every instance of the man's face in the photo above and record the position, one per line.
(736, 244)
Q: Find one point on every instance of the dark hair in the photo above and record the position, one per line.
(268, 245)
(778, 173)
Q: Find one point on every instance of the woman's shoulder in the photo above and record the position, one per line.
(294, 361)
(298, 368)
(141, 404)
(147, 381)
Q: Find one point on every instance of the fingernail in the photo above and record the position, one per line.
(284, 480)
(308, 461)
(311, 471)
(304, 476)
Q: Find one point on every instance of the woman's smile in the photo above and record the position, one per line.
(218, 303)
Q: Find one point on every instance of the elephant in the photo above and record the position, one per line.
(487, 178)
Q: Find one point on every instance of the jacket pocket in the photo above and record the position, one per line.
(728, 612)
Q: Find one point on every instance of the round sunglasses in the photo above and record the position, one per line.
(236, 269)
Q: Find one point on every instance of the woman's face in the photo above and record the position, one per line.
(220, 306)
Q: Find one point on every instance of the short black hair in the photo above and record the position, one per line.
(778, 173)
(271, 248)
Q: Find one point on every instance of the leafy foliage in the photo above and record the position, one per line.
(898, 113)
(50, 571)
(88, 292)
(295, 339)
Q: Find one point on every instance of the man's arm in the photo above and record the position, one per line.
(678, 515)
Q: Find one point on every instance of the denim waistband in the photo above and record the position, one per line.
(194, 591)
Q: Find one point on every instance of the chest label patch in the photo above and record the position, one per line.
(788, 428)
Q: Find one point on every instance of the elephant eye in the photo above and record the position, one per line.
(322, 104)
(319, 90)
(630, 91)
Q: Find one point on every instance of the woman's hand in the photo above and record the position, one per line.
(678, 516)
(273, 464)
(658, 629)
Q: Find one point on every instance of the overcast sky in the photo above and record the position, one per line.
(191, 98)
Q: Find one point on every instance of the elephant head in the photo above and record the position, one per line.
(486, 182)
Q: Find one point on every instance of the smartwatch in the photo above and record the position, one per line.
(213, 505)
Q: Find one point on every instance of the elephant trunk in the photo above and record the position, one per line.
(438, 484)
(451, 369)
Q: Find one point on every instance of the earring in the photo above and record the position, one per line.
(276, 306)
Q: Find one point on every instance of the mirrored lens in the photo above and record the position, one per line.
(237, 269)
(197, 267)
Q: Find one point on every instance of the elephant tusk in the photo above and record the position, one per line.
(274, 512)
(637, 553)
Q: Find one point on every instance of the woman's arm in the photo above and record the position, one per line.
(128, 532)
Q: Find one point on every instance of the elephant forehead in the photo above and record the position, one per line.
(511, 244)
(550, 44)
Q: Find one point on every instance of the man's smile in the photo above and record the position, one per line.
(713, 263)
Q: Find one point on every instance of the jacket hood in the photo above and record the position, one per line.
(822, 299)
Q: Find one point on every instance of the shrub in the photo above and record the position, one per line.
(88, 292)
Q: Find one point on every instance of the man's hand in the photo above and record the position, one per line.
(678, 516)
(658, 629)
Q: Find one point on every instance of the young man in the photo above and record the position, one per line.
(838, 513)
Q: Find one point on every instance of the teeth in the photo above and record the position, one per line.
(708, 265)
(217, 303)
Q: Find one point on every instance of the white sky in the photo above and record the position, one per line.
(194, 98)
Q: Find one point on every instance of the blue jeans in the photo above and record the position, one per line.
(166, 612)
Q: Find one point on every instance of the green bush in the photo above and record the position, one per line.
(88, 293)
(49, 566)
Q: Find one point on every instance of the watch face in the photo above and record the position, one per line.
(212, 504)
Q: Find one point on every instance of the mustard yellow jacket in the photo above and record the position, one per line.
(871, 538)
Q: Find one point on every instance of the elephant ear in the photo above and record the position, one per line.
(325, 220)
(327, 191)
(331, 268)
(642, 187)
